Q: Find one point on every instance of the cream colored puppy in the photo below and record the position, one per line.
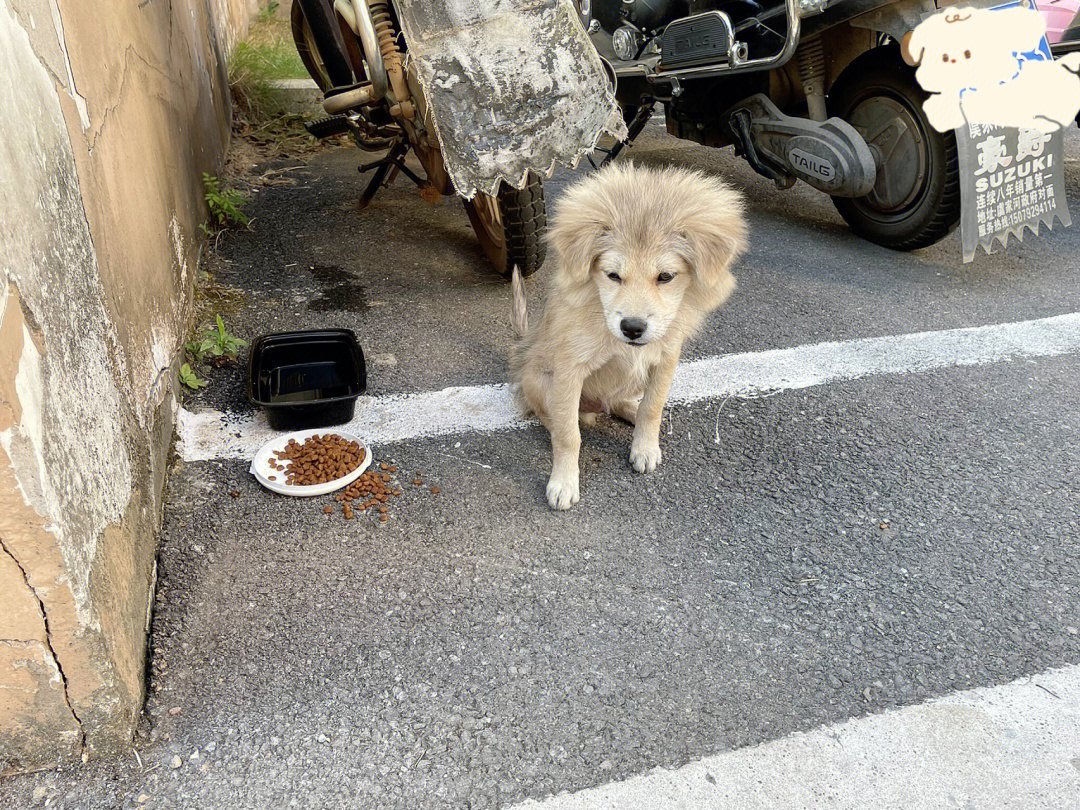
(641, 256)
(968, 62)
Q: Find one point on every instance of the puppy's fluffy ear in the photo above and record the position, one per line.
(580, 221)
(576, 241)
(716, 235)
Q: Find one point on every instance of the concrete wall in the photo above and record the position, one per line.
(109, 113)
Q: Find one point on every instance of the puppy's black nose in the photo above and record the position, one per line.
(633, 328)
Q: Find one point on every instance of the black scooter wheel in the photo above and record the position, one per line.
(915, 201)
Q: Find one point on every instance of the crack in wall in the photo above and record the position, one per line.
(48, 644)
(77, 97)
(120, 96)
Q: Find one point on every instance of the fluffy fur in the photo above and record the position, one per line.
(634, 249)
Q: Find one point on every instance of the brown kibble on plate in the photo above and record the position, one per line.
(417, 482)
(393, 469)
(383, 466)
(435, 490)
(328, 509)
(384, 518)
(235, 494)
(382, 510)
(319, 459)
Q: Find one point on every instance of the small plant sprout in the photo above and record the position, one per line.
(195, 349)
(190, 378)
(266, 13)
(223, 342)
(225, 204)
(217, 344)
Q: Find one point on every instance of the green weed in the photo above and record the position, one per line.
(216, 343)
(225, 204)
(189, 378)
(268, 53)
(266, 13)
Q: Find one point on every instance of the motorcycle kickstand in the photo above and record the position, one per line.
(633, 129)
(740, 127)
(393, 161)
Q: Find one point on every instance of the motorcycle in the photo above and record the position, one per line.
(803, 89)
(811, 90)
(807, 90)
(454, 83)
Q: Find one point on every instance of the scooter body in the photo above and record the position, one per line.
(806, 90)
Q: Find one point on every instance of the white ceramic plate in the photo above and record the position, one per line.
(261, 469)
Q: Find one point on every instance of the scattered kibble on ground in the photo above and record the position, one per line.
(372, 490)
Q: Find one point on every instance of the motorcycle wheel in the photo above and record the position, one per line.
(915, 201)
(306, 48)
(510, 226)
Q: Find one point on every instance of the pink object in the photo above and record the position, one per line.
(1058, 14)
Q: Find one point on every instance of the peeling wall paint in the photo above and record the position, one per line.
(80, 101)
(107, 121)
(76, 472)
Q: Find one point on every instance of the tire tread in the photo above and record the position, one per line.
(524, 216)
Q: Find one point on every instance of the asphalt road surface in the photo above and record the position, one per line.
(823, 557)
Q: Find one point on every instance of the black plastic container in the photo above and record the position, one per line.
(307, 379)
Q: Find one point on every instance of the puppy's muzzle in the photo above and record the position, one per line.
(633, 328)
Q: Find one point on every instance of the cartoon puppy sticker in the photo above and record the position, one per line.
(970, 61)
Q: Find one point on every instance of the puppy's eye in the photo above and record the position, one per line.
(665, 277)
(967, 54)
(615, 277)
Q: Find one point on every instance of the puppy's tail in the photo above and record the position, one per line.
(519, 317)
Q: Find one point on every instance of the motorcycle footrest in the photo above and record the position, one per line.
(698, 39)
(328, 127)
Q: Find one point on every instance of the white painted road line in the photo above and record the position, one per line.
(1012, 746)
(387, 419)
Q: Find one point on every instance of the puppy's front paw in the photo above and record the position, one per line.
(562, 494)
(645, 456)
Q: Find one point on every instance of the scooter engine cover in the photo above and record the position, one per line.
(829, 155)
(511, 86)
